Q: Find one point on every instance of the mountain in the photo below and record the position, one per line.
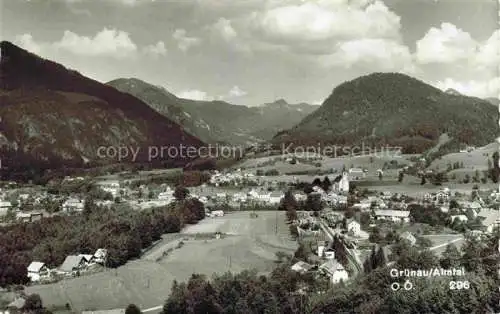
(218, 121)
(452, 91)
(394, 109)
(493, 101)
(58, 117)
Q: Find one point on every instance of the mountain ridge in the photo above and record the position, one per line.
(394, 109)
(217, 121)
(80, 115)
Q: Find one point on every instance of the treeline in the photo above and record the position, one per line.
(245, 292)
(123, 232)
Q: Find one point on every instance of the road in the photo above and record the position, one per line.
(351, 254)
(433, 248)
(153, 309)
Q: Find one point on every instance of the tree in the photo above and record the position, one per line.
(302, 252)
(467, 178)
(326, 184)
(181, 193)
(375, 236)
(495, 171)
(450, 257)
(313, 202)
(132, 309)
(290, 205)
(317, 182)
(33, 304)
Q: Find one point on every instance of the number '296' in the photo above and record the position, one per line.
(459, 285)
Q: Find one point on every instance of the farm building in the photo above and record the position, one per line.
(393, 215)
(353, 227)
(335, 271)
(72, 264)
(38, 271)
(301, 267)
(408, 237)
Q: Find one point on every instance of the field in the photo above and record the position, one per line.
(147, 283)
(372, 163)
(472, 161)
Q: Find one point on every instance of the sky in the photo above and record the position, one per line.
(250, 52)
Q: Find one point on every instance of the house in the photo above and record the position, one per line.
(4, 207)
(300, 196)
(114, 311)
(335, 271)
(301, 267)
(29, 217)
(276, 197)
(343, 186)
(393, 215)
(459, 218)
(356, 174)
(353, 227)
(408, 237)
(100, 256)
(72, 264)
(263, 196)
(72, 205)
(38, 271)
(89, 258)
(491, 220)
(321, 248)
(110, 186)
(23, 217)
(329, 254)
(217, 213)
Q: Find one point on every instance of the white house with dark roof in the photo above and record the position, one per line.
(276, 197)
(353, 227)
(393, 215)
(72, 264)
(356, 174)
(38, 271)
(333, 269)
(73, 205)
(407, 236)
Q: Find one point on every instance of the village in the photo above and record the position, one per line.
(359, 218)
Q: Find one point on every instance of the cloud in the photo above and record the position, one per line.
(451, 45)
(379, 54)
(156, 50)
(447, 44)
(125, 2)
(476, 88)
(324, 33)
(236, 92)
(488, 53)
(27, 42)
(183, 41)
(325, 20)
(194, 94)
(108, 42)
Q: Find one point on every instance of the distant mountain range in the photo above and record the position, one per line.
(54, 117)
(218, 121)
(395, 109)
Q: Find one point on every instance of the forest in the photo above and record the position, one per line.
(124, 232)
